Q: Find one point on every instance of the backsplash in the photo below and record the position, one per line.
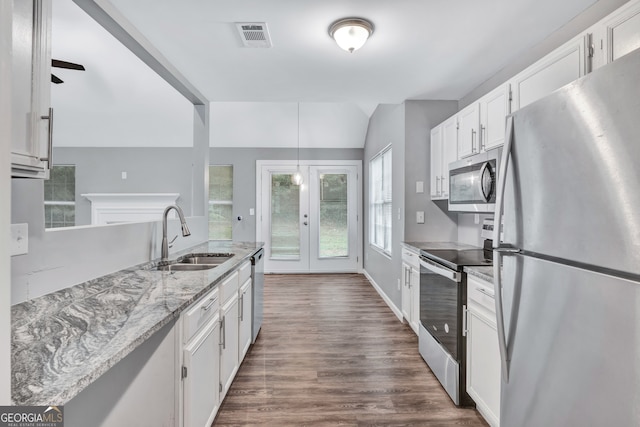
(468, 230)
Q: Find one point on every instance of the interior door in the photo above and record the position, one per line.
(313, 227)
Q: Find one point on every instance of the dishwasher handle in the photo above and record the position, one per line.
(440, 270)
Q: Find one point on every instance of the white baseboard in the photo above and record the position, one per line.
(384, 296)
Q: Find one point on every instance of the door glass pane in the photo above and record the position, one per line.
(333, 228)
(285, 211)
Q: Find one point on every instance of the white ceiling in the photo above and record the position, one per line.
(421, 49)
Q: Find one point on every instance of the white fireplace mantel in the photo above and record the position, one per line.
(113, 208)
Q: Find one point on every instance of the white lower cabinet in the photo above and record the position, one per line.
(201, 376)
(411, 289)
(244, 319)
(483, 354)
(228, 343)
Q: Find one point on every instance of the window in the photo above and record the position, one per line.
(60, 197)
(220, 202)
(380, 201)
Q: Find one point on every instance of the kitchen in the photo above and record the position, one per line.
(408, 124)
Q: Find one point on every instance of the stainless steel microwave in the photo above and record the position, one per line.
(473, 181)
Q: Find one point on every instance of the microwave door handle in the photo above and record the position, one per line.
(484, 170)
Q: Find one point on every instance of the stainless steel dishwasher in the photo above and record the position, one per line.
(257, 290)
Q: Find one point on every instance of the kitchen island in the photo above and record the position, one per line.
(64, 341)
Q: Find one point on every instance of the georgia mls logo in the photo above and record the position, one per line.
(31, 416)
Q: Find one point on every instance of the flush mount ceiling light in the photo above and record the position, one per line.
(351, 33)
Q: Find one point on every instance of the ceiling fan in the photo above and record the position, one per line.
(63, 64)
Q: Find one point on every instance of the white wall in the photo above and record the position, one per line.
(5, 201)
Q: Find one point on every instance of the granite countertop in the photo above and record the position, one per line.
(63, 341)
(418, 246)
(484, 273)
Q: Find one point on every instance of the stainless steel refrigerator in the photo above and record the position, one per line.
(568, 297)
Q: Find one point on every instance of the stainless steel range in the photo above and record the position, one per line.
(443, 295)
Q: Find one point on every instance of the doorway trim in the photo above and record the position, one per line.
(260, 164)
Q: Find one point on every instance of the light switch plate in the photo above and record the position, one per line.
(124, 175)
(419, 187)
(420, 217)
(252, 211)
(19, 239)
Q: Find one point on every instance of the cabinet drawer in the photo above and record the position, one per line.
(410, 258)
(229, 287)
(481, 293)
(244, 272)
(199, 313)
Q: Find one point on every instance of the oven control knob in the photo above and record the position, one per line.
(446, 327)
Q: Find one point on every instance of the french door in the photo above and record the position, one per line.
(312, 227)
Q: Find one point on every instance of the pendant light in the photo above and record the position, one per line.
(296, 178)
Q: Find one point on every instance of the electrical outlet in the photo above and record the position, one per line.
(124, 175)
(420, 217)
(252, 211)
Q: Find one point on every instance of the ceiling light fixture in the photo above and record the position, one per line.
(351, 33)
(296, 178)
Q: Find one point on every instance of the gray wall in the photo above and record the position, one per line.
(386, 126)
(149, 170)
(244, 176)
(439, 225)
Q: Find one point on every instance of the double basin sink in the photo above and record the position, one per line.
(197, 262)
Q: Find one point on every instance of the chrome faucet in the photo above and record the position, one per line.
(185, 230)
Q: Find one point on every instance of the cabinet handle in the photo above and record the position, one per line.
(242, 307)
(464, 321)
(49, 158)
(473, 138)
(211, 302)
(444, 193)
(437, 183)
(483, 136)
(223, 332)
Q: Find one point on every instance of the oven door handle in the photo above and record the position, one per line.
(442, 271)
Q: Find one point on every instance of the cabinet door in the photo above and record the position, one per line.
(449, 152)
(483, 365)
(436, 162)
(468, 124)
(415, 299)
(493, 112)
(245, 305)
(622, 31)
(201, 384)
(555, 70)
(228, 344)
(31, 76)
(406, 292)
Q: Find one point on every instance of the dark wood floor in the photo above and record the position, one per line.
(332, 353)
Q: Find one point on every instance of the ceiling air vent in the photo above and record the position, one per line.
(254, 34)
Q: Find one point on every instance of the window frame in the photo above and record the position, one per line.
(62, 203)
(381, 199)
(211, 202)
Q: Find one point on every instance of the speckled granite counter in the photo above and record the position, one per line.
(63, 341)
(484, 273)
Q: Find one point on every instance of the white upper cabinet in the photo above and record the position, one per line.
(444, 141)
(494, 108)
(619, 33)
(555, 70)
(31, 92)
(468, 131)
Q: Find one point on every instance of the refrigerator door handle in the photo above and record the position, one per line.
(497, 255)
